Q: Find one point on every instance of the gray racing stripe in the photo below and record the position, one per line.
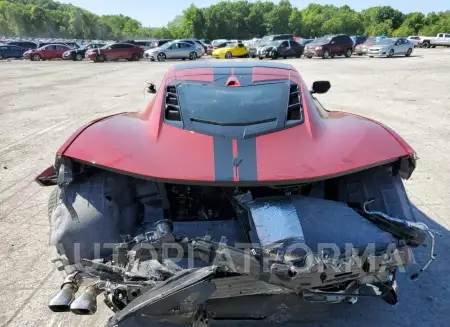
(223, 159)
(247, 153)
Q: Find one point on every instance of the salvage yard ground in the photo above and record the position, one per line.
(42, 103)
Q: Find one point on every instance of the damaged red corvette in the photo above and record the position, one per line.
(234, 188)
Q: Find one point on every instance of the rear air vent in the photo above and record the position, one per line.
(172, 111)
(294, 112)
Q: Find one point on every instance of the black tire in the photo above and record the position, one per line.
(274, 55)
(309, 57)
(161, 56)
(253, 56)
(408, 53)
(348, 53)
(183, 59)
(35, 57)
(228, 55)
(391, 53)
(134, 57)
(78, 57)
(192, 55)
(261, 58)
(426, 44)
(100, 58)
(1, 56)
(326, 54)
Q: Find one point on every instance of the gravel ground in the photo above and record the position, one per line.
(42, 103)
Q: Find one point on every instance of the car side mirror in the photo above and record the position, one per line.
(151, 87)
(320, 87)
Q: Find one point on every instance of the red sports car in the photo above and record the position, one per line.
(230, 194)
(116, 51)
(47, 52)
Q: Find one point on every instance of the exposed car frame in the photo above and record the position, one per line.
(235, 194)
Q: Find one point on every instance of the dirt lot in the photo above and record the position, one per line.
(42, 103)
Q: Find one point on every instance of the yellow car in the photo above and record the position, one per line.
(231, 50)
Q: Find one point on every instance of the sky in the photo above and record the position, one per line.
(154, 13)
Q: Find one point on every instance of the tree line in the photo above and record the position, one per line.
(226, 19)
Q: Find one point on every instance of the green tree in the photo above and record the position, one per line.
(277, 20)
(240, 19)
(192, 22)
(296, 22)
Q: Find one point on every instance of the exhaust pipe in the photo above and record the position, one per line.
(61, 301)
(86, 303)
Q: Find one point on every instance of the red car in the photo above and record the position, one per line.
(363, 48)
(116, 51)
(216, 200)
(47, 52)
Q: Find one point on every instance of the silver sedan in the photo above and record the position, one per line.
(391, 47)
(174, 50)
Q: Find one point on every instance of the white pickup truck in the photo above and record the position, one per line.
(442, 39)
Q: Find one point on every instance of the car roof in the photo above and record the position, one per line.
(243, 64)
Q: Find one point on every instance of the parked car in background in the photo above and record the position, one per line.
(73, 45)
(219, 41)
(280, 49)
(232, 49)
(362, 49)
(330, 46)
(144, 44)
(116, 51)
(160, 42)
(358, 39)
(28, 45)
(380, 37)
(210, 49)
(196, 43)
(11, 51)
(416, 40)
(209, 46)
(47, 52)
(203, 45)
(304, 42)
(391, 47)
(442, 39)
(80, 53)
(265, 41)
(220, 45)
(174, 50)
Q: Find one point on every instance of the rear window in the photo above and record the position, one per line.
(233, 106)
